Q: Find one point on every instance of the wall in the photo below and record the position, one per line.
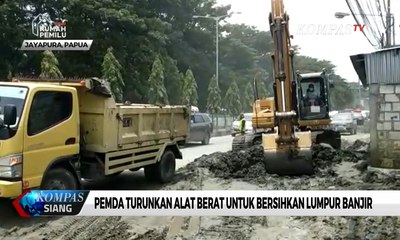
(385, 125)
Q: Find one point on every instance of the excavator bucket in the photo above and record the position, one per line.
(288, 161)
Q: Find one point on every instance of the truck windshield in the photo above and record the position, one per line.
(12, 95)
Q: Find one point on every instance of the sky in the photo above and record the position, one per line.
(315, 29)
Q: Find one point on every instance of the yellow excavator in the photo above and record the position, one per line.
(296, 116)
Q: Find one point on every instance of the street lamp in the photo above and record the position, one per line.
(389, 24)
(217, 19)
(341, 14)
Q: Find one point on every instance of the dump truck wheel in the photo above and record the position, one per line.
(150, 172)
(206, 139)
(59, 179)
(115, 174)
(166, 167)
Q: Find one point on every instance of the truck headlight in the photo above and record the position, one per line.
(11, 166)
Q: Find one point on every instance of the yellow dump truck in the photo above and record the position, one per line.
(55, 133)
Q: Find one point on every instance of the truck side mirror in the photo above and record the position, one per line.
(10, 114)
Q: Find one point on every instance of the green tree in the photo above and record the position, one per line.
(262, 90)
(232, 99)
(214, 97)
(157, 92)
(248, 98)
(139, 31)
(49, 66)
(189, 89)
(111, 72)
(175, 79)
(341, 96)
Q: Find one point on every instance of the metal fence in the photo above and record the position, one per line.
(221, 122)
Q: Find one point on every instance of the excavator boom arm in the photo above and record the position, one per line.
(287, 151)
(284, 82)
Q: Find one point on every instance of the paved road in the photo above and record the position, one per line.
(136, 180)
(127, 180)
(193, 151)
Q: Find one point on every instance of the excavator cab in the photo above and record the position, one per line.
(314, 106)
(313, 92)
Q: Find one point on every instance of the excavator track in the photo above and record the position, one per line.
(241, 142)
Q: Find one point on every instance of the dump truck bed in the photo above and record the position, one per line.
(108, 127)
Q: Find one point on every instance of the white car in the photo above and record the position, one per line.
(333, 113)
(249, 125)
(365, 114)
(195, 109)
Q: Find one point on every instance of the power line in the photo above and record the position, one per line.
(375, 31)
(351, 8)
(372, 11)
(379, 7)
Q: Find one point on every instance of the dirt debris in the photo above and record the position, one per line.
(346, 169)
(249, 165)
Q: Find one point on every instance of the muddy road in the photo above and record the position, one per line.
(344, 169)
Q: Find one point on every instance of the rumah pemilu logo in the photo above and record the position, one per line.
(44, 27)
(53, 36)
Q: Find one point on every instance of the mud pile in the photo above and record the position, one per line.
(345, 169)
(245, 164)
(249, 164)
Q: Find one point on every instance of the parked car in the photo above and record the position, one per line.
(333, 113)
(201, 128)
(358, 116)
(248, 127)
(344, 122)
(195, 109)
(365, 114)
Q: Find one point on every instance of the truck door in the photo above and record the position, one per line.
(51, 131)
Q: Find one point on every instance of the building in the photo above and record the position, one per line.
(380, 71)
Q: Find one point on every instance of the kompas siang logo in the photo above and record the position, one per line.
(34, 203)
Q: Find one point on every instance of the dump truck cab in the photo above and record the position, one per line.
(39, 125)
(53, 134)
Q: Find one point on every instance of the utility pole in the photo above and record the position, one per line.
(359, 93)
(217, 20)
(388, 27)
(217, 50)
